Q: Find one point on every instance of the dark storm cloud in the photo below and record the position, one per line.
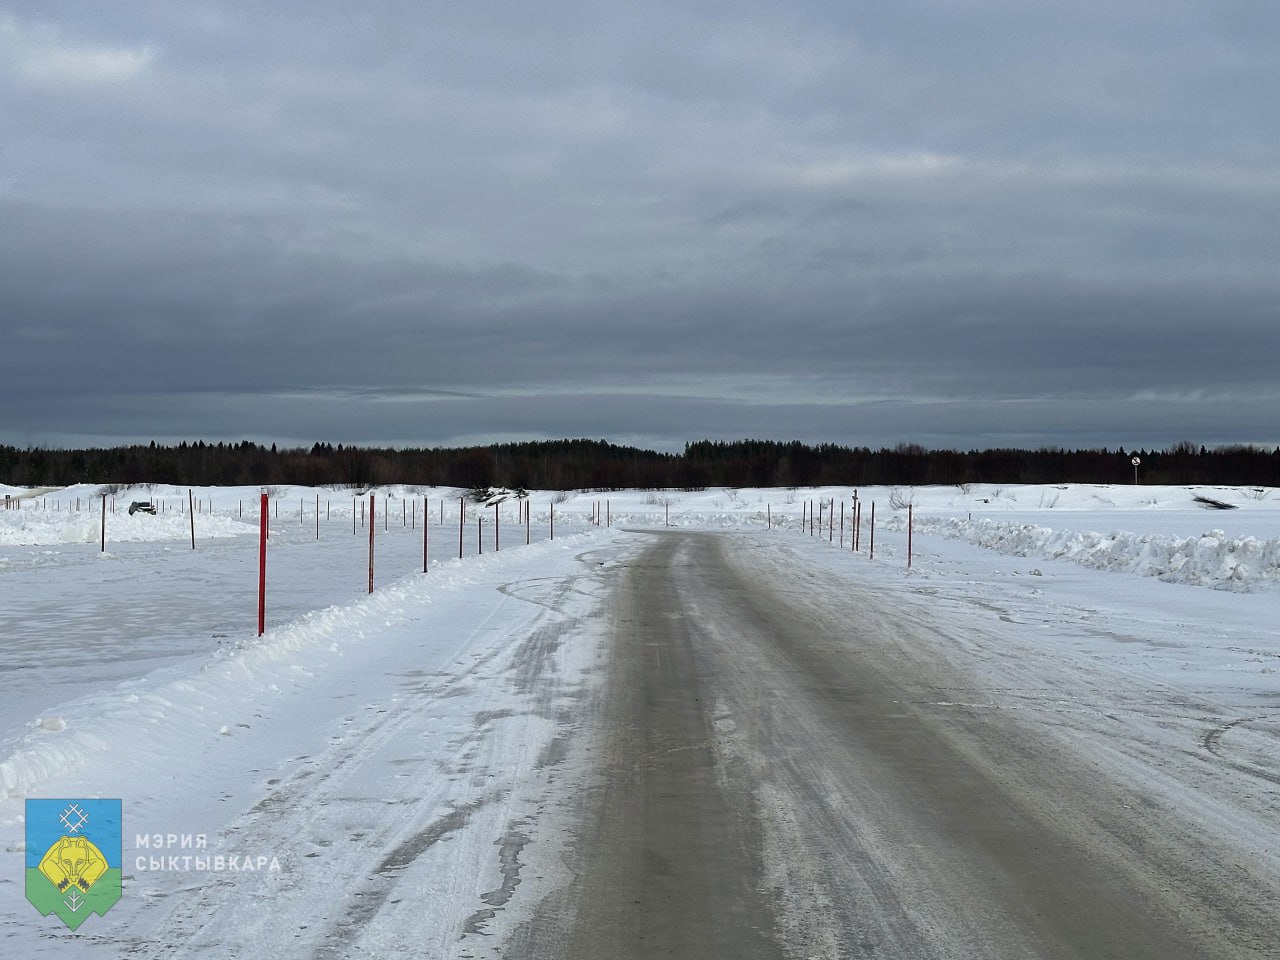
(988, 224)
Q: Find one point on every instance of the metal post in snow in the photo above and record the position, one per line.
(262, 565)
(841, 524)
(462, 509)
(425, 527)
(528, 525)
(497, 545)
(104, 523)
(479, 535)
(871, 555)
(910, 526)
(831, 520)
(190, 500)
(372, 528)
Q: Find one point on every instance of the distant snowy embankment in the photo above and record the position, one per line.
(1212, 559)
(33, 527)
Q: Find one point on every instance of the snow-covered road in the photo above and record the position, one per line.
(988, 754)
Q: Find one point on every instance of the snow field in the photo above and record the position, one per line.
(436, 708)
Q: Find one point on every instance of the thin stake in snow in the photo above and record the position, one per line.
(104, 523)
(262, 566)
(462, 509)
(372, 528)
(190, 501)
(425, 527)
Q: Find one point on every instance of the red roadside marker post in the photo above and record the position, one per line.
(871, 554)
(262, 565)
(910, 527)
(372, 528)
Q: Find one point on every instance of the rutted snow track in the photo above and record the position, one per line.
(443, 746)
(408, 829)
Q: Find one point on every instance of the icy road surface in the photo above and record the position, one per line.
(794, 765)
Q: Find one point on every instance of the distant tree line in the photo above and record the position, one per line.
(598, 465)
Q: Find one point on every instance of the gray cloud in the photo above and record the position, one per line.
(996, 225)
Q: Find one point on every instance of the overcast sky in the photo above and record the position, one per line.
(960, 224)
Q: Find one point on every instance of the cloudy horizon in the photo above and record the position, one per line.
(996, 224)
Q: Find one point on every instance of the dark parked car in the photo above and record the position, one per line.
(141, 506)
